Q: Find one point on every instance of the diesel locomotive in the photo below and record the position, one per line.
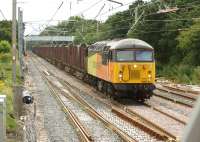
(124, 66)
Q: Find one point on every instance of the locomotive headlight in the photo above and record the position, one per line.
(149, 74)
(135, 66)
(120, 75)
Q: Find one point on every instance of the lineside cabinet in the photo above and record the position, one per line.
(2, 118)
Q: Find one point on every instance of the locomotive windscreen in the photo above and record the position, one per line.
(133, 55)
(144, 55)
(125, 55)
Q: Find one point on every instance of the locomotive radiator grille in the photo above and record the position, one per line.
(135, 74)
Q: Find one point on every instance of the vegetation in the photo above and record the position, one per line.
(6, 72)
(5, 30)
(4, 46)
(174, 35)
(6, 88)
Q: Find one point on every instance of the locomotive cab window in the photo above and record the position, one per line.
(125, 55)
(144, 55)
(133, 55)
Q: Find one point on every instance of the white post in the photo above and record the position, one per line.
(2, 118)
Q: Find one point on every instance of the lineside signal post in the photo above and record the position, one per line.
(2, 118)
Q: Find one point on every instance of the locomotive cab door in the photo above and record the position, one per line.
(105, 55)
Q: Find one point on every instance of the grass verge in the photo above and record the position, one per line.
(6, 89)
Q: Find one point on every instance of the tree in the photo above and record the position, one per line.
(117, 26)
(189, 43)
(4, 46)
(5, 30)
(158, 29)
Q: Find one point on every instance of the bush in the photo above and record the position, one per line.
(5, 58)
(196, 75)
(181, 73)
(4, 46)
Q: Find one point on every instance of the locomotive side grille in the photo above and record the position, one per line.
(135, 74)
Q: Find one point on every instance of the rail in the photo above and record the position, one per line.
(173, 97)
(85, 135)
(141, 122)
(136, 119)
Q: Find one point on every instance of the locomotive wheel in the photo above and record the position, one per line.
(110, 90)
(142, 96)
(141, 100)
(100, 85)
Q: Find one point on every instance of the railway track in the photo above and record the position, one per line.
(176, 111)
(161, 134)
(171, 115)
(134, 113)
(176, 107)
(136, 120)
(174, 96)
(85, 135)
(96, 115)
(123, 134)
(188, 92)
(179, 92)
(128, 114)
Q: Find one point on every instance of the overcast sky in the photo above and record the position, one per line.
(37, 13)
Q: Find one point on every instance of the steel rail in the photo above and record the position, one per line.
(166, 113)
(193, 93)
(135, 118)
(128, 115)
(86, 137)
(173, 100)
(96, 115)
(76, 122)
(138, 123)
(183, 94)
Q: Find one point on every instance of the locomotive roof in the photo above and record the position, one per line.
(129, 43)
(121, 44)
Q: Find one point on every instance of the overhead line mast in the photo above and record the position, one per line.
(98, 15)
(14, 5)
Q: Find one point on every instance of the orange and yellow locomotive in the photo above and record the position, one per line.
(118, 66)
